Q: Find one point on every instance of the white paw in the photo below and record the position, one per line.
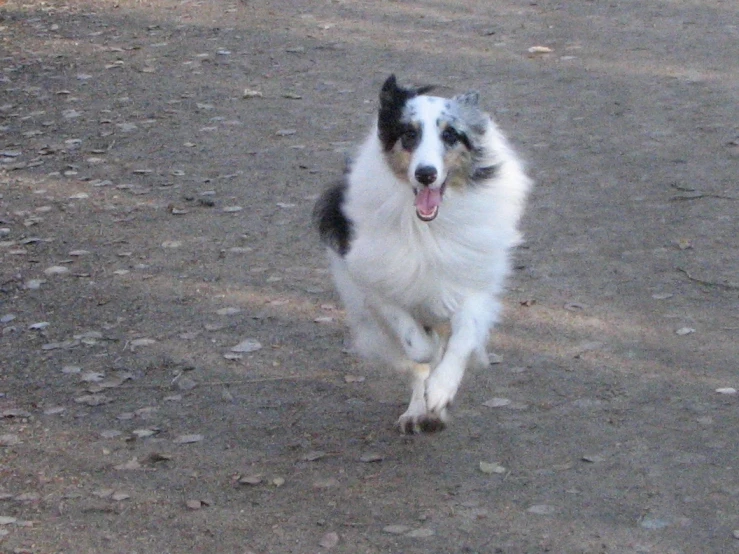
(415, 423)
(440, 392)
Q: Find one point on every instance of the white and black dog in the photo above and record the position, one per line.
(418, 234)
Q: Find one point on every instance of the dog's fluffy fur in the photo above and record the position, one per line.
(418, 235)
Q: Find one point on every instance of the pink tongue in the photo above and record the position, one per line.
(427, 202)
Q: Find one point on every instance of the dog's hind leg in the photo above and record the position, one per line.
(419, 345)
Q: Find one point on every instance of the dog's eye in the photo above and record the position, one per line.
(450, 136)
(410, 138)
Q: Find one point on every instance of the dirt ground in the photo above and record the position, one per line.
(158, 165)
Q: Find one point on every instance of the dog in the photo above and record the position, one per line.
(418, 234)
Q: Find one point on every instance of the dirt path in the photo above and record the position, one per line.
(158, 165)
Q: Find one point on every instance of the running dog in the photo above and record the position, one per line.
(418, 235)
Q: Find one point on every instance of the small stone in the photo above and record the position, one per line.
(735, 533)
(684, 331)
(726, 390)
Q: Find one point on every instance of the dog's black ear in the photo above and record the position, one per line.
(391, 92)
(392, 102)
(470, 98)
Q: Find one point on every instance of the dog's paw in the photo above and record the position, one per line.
(425, 423)
(440, 393)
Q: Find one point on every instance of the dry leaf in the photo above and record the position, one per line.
(93, 399)
(490, 468)
(194, 504)
(131, 464)
(314, 456)
(371, 457)
(497, 402)
(188, 439)
(250, 480)
(228, 311)
(329, 540)
(246, 346)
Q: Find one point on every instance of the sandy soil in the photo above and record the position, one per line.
(158, 165)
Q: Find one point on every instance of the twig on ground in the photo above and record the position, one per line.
(727, 286)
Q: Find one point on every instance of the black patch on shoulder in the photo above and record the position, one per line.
(392, 101)
(334, 228)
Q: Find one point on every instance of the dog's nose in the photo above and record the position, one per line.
(426, 174)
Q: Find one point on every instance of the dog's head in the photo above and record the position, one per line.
(432, 143)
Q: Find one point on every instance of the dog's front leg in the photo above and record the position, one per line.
(415, 419)
(471, 326)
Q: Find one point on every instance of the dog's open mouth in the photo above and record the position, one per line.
(428, 201)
